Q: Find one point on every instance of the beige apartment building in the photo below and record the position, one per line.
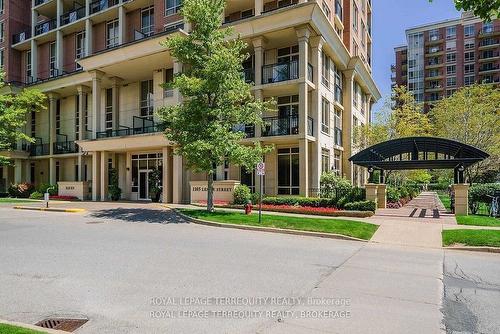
(101, 65)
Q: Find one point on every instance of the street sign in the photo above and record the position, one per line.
(261, 168)
(261, 171)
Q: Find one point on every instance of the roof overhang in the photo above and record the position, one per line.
(126, 143)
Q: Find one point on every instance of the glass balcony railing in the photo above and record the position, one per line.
(65, 147)
(46, 26)
(72, 16)
(142, 125)
(100, 5)
(280, 72)
(39, 149)
(21, 37)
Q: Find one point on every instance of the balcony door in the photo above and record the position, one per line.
(147, 101)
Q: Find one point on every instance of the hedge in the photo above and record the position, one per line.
(479, 193)
(361, 206)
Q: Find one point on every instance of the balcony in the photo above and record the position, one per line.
(46, 26)
(433, 88)
(248, 129)
(490, 31)
(65, 147)
(489, 68)
(142, 125)
(489, 43)
(21, 37)
(72, 16)
(280, 4)
(100, 5)
(432, 52)
(488, 55)
(435, 39)
(280, 72)
(40, 2)
(37, 150)
(490, 80)
(278, 126)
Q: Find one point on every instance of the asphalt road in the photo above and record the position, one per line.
(140, 270)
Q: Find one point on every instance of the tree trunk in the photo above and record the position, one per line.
(210, 192)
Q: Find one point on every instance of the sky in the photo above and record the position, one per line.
(390, 20)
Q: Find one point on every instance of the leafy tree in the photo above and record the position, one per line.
(420, 176)
(472, 116)
(486, 9)
(217, 99)
(13, 110)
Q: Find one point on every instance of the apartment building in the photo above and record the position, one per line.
(101, 65)
(441, 57)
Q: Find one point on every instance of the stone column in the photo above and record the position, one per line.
(127, 192)
(52, 170)
(18, 170)
(59, 52)
(122, 25)
(88, 36)
(96, 175)
(115, 91)
(381, 196)
(303, 40)
(304, 167)
(461, 198)
(104, 176)
(34, 61)
(372, 192)
(96, 100)
(52, 121)
(259, 45)
(166, 183)
(258, 97)
(347, 169)
(259, 7)
(177, 176)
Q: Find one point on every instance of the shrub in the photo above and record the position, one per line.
(300, 201)
(242, 194)
(361, 206)
(36, 195)
(114, 190)
(255, 197)
(393, 195)
(334, 186)
(21, 190)
(357, 194)
(479, 193)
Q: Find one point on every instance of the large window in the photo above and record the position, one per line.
(147, 99)
(112, 34)
(451, 57)
(172, 6)
(248, 178)
(288, 167)
(28, 67)
(469, 30)
(325, 116)
(325, 69)
(148, 21)
(145, 162)
(469, 56)
(2, 31)
(52, 59)
(355, 18)
(325, 160)
(451, 32)
(58, 117)
(80, 47)
(469, 68)
(337, 159)
(288, 54)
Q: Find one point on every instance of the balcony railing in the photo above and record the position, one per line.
(72, 16)
(434, 38)
(248, 129)
(490, 67)
(488, 42)
(65, 147)
(39, 149)
(281, 4)
(248, 75)
(45, 26)
(100, 5)
(39, 2)
(21, 37)
(278, 126)
(487, 55)
(141, 125)
(337, 136)
(489, 30)
(280, 72)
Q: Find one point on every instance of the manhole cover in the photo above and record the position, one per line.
(63, 324)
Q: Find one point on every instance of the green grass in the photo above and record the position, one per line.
(8, 329)
(445, 199)
(478, 220)
(350, 228)
(15, 200)
(490, 238)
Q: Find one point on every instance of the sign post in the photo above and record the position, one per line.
(46, 197)
(261, 171)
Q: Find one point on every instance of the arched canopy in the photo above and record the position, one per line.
(419, 153)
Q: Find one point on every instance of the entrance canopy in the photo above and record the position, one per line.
(419, 153)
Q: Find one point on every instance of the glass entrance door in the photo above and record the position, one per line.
(143, 184)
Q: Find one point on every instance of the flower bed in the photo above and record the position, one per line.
(399, 204)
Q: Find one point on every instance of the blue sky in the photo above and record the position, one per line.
(390, 20)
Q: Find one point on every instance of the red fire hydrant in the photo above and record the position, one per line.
(248, 208)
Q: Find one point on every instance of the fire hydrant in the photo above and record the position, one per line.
(248, 208)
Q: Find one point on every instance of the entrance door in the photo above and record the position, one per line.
(143, 184)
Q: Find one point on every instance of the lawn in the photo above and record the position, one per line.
(445, 199)
(478, 220)
(490, 238)
(350, 228)
(15, 200)
(8, 329)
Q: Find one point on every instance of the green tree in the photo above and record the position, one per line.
(486, 9)
(13, 110)
(216, 98)
(472, 116)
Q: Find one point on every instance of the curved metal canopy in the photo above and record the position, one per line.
(419, 153)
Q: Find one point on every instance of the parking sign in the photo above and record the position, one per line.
(261, 168)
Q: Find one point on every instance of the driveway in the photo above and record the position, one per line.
(124, 265)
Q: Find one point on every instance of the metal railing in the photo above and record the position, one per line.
(487, 55)
(65, 147)
(489, 30)
(39, 2)
(248, 129)
(489, 67)
(488, 42)
(248, 75)
(100, 5)
(280, 72)
(141, 125)
(21, 36)
(72, 16)
(277, 126)
(39, 149)
(45, 26)
(435, 38)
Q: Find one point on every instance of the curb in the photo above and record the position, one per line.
(267, 229)
(475, 249)
(48, 209)
(32, 327)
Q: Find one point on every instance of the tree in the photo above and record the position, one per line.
(486, 9)
(13, 110)
(472, 116)
(216, 98)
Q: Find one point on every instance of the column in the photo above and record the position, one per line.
(166, 182)
(259, 7)
(128, 177)
(34, 61)
(381, 196)
(52, 121)
(115, 91)
(304, 167)
(259, 45)
(52, 171)
(372, 193)
(177, 69)
(347, 169)
(82, 92)
(104, 175)
(88, 36)
(96, 100)
(303, 39)
(368, 108)
(34, 19)
(96, 175)
(59, 52)
(177, 179)
(258, 97)
(122, 15)
(18, 170)
(461, 199)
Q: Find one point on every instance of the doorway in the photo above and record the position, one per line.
(144, 184)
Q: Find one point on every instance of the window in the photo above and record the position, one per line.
(325, 116)
(169, 77)
(288, 54)
(469, 30)
(355, 47)
(52, 59)
(58, 117)
(2, 57)
(337, 158)
(325, 69)
(469, 68)
(147, 21)
(2, 31)
(58, 171)
(85, 111)
(363, 33)
(147, 99)
(450, 92)
(355, 94)
(487, 27)
(469, 80)
(327, 11)
(32, 173)
(80, 47)
(451, 32)
(355, 18)
(2, 6)
(451, 45)
(451, 69)
(452, 81)
(112, 34)
(77, 168)
(469, 56)
(28, 67)
(109, 109)
(77, 117)
(338, 9)
(172, 7)
(451, 57)
(247, 177)
(434, 35)
(469, 44)
(288, 165)
(325, 160)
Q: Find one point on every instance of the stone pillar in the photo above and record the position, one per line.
(96, 100)
(82, 91)
(381, 196)
(259, 7)
(52, 121)
(372, 192)
(52, 171)
(259, 45)
(88, 36)
(166, 182)
(18, 170)
(303, 40)
(304, 167)
(104, 175)
(96, 175)
(59, 52)
(177, 179)
(461, 198)
(34, 61)
(122, 25)
(347, 169)
(115, 91)
(127, 192)
(258, 97)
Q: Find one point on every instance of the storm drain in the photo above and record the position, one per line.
(62, 324)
